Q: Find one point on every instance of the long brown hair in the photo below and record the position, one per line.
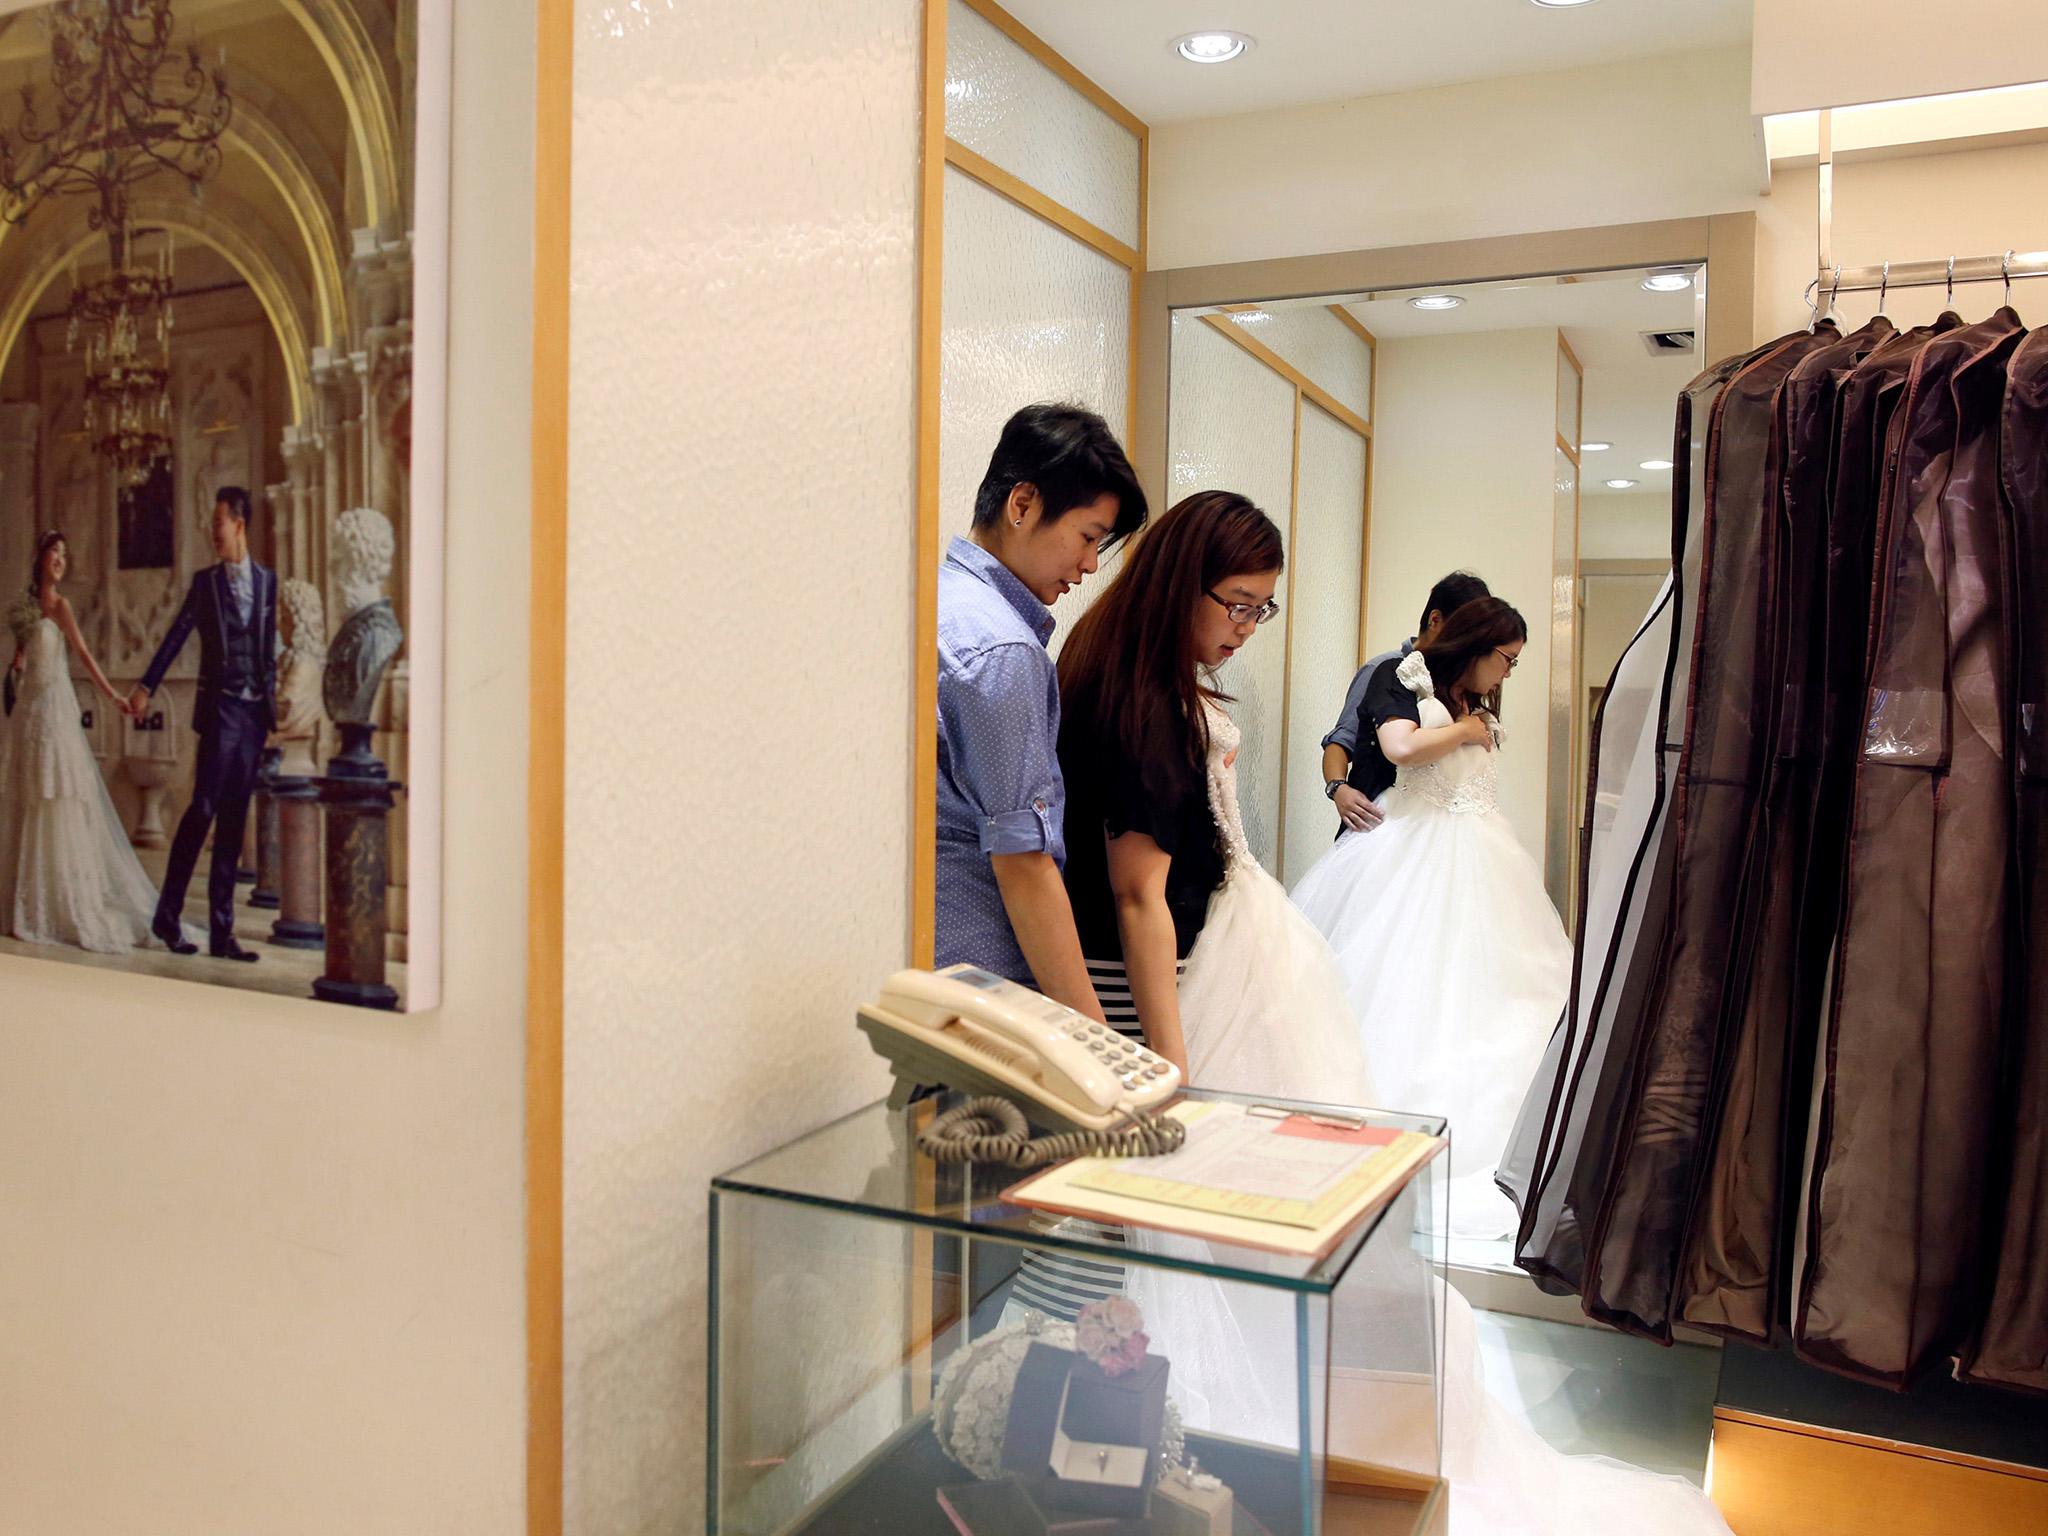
(1482, 625)
(44, 545)
(1129, 667)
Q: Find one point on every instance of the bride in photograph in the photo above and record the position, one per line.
(67, 873)
(1457, 965)
(1259, 1010)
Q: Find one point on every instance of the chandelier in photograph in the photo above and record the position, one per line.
(128, 107)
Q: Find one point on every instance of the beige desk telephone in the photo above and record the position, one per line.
(966, 1029)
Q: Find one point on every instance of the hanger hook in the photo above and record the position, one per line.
(1951, 281)
(1884, 282)
(1835, 292)
(1811, 299)
(2005, 271)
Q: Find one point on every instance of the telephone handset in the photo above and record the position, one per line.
(964, 1028)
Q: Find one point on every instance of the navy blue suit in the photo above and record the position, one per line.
(234, 715)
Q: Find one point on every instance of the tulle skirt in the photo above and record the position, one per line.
(1457, 970)
(67, 873)
(1262, 1003)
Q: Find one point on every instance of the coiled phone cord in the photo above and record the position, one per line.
(988, 1129)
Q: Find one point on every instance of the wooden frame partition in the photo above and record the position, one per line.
(546, 746)
(940, 151)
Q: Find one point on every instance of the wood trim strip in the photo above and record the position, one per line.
(1042, 51)
(1879, 1443)
(1293, 375)
(931, 245)
(1287, 654)
(1138, 272)
(1771, 1478)
(1568, 450)
(1356, 325)
(546, 765)
(1029, 198)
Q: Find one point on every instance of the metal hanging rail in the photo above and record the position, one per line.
(1831, 279)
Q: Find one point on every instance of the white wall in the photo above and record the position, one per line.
(742, 547)
(1919, 208)
(1623, 525)
(1462, 480)
(263, 1264)
(1657, 138)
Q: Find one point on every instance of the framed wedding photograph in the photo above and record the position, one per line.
(223, 300)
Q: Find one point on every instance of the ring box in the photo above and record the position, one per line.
(1093, 1437)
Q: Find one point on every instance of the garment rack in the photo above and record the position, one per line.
(1831, 278)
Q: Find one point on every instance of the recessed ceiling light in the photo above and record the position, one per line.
(1561, 5)
(1211, 47)
(1673, 281)
(1594, 447)
(1617, 485)
(1436, 301)
(1654, 464)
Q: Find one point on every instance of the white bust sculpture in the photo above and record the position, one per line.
(369, 639)
(363, 549)
(299, 672)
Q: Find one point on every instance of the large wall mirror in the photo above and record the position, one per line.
(1519, 429)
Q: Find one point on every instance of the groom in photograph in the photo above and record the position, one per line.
(233, 605)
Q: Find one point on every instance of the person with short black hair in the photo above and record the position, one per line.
(1059, 494)
(233, 605)
(1355, 771)
(1457, 964)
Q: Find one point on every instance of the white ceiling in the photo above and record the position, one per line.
(1328, 50)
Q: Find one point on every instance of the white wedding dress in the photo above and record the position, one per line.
(67, 872)
(1457, 965)
(1263, 1012)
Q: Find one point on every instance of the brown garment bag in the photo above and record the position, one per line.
(2012, 1348)
(1562, 1148)
(1725, 1279)
(1642, 1222)
(1908, 1095)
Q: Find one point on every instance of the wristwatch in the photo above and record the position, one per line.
(1331, 786)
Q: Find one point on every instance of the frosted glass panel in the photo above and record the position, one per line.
(1569, 385)
(1323, 347)
(1008, 107)
(1231, 427)
(1323, 579)
(1029, 313)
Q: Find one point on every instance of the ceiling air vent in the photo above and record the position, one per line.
(1667, 343)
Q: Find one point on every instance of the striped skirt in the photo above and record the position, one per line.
(1060, 1284)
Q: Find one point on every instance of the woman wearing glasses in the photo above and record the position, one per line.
(1455, 959)
(1189, 942)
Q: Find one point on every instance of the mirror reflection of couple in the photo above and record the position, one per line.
(67, 872)
(1090, 841)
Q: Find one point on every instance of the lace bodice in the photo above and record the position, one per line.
(45, 650)
(1464, 782)
(1224, 738)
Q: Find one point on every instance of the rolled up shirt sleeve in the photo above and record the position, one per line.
(1345, 733)
(1001, 718)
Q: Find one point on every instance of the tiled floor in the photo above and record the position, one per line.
(1591, 1390)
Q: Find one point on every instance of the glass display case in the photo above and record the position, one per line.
(886, 1355)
